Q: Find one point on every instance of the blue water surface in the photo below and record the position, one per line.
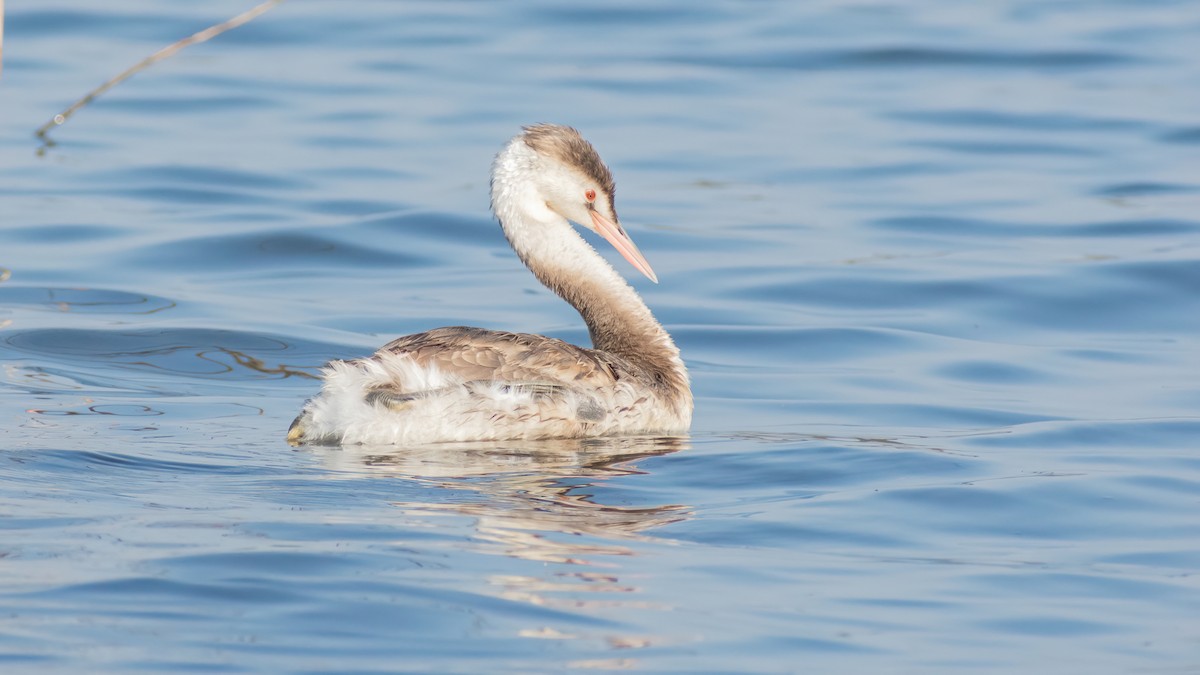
(935, 268)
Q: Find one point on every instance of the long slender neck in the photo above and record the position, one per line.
(617, 319)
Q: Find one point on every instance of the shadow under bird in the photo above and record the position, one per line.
(463, 384)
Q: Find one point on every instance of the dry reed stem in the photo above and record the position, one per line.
(202, 36)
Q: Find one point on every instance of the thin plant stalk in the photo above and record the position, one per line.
(165, 52)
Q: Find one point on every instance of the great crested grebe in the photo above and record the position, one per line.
(463, 384)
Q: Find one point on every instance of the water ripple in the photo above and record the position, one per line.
(972, 227)
(82, 462)
(83, 300)
(199, 175)
(1182, 136)
(193, 353)
(266, 252)
(911, 57)
(1056, 123)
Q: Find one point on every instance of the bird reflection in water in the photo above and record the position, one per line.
(526, 489)
(537, 501)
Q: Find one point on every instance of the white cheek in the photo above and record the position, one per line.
(575, 212)
(537, 207)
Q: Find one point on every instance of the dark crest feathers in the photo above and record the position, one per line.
(569, 147)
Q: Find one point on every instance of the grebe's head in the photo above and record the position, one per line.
(568, 178)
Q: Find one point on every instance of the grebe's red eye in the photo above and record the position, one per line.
(591, 195)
